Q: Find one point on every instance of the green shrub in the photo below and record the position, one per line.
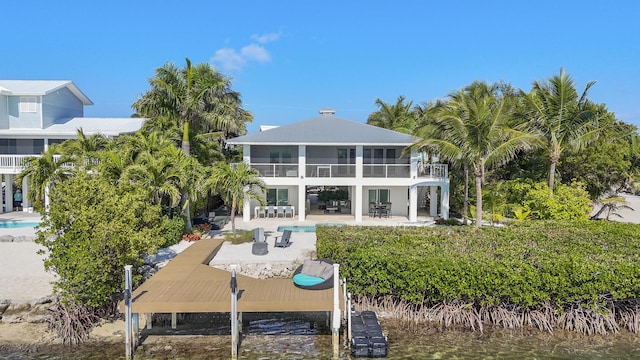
(172, 230)
(526, 263)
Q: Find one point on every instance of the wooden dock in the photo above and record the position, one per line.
(187, 284)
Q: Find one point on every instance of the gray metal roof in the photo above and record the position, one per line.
(325, 129)
(106, 126)
(41, 87)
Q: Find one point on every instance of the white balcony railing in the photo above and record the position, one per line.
(276, 170)
(437, 171)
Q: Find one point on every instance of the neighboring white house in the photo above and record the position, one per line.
(329, 151)
(37, 113)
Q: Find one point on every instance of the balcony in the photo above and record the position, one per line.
(276, 170)
(13, 164)
(386, 171)
(330, 171)
(433, 171)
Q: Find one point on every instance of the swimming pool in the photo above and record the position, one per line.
(17, 224)
(303, 228)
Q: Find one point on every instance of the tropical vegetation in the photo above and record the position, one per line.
(115, 200)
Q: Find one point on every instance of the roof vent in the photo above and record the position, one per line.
(327, 111)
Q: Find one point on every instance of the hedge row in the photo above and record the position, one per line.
(526, 263)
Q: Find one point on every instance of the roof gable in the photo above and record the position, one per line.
(326, 129)
(41, 87)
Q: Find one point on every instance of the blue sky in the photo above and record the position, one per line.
(288, 59)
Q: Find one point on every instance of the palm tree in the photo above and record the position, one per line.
(43, 171)
(235, 184)
(83, 149)
(475, 127)
(565, 120)
(196, 95)
(397, 117)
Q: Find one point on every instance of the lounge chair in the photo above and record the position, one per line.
(314, 275)
(284, 239)
(258, 235)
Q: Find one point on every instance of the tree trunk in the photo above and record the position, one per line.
(478, 200)
(465, 206)
(186, 149)
(552, 174)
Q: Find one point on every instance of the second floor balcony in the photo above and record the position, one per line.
(349, 170)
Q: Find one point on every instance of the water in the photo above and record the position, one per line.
(17, 224)
(303, 228)
(295, 336)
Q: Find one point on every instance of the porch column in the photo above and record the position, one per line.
(302, 201)
(359, 162)
(433, 201)
(25, 190)
(357, 201)
(444, 201)
(413, 203)
(8, 192)
(246, 210)
(302, 185)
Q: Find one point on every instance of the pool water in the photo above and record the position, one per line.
(17, 224)
(303, 228)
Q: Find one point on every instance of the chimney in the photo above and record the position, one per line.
(327, 111)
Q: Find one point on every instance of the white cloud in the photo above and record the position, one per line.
(229, 59)
(255, 52)
(263, 39)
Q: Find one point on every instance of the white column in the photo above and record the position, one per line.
(444, 201)
(246, 209)
(25, 190)
(335, 323)
(8, 192)
(302, 201)
(356, 204)
(413, 203)
(433, 201)
(302, 187)
(359, 162)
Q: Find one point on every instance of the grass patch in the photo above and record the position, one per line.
(240, 237)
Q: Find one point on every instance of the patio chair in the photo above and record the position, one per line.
(284, 239)
(372, 209)
(386, 210)
(259, 235)
(280, 211)
(288, 211)
(271, 210)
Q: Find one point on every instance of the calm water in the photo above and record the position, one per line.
(289, 337)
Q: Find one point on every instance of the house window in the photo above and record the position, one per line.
(28, 104)
(379, 195)
(278, 196)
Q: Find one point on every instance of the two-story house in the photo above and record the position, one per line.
(331, 152)
(37, 113)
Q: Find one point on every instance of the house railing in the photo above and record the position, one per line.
(349, 170)
(386, 170)
(330, 170)
(433, 171)
(276, 170)
(14, 164)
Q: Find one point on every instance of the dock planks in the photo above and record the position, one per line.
(187, 284)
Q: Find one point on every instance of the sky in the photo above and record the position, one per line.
(289, 59)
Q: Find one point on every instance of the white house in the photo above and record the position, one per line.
(37, 113)
(332, 152)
